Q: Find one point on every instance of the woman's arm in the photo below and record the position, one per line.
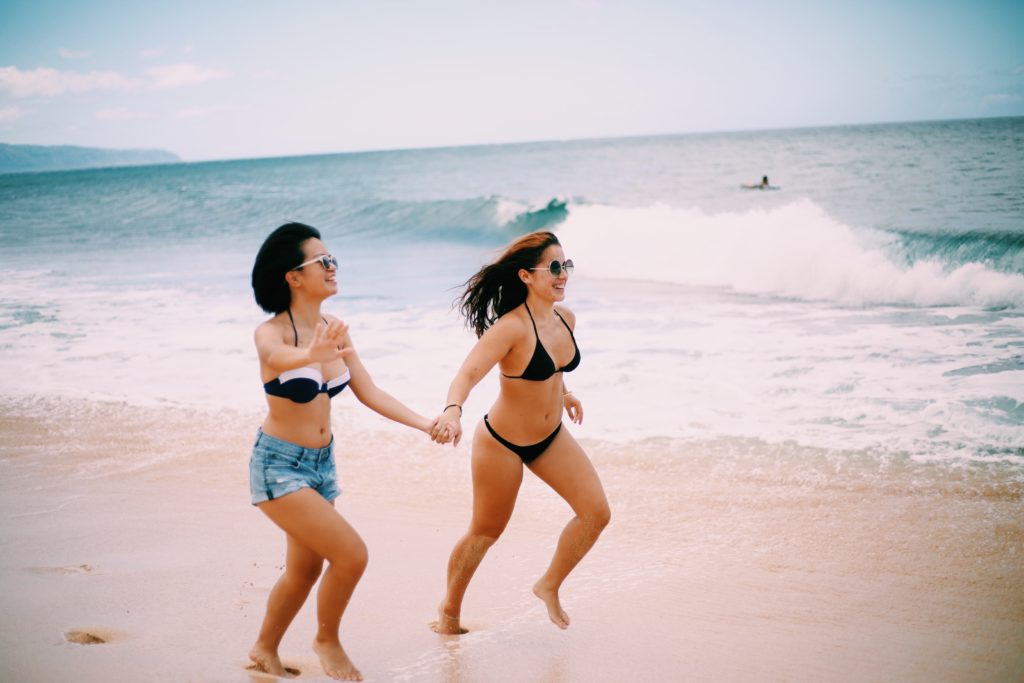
(275, 353)
(573, 406)
(378, 400)
(494, 345)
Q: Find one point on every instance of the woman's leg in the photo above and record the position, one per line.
(302, 569)
(567, 469)
(497, 474)
(315, 523)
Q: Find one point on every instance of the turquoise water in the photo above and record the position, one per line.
(873, 303)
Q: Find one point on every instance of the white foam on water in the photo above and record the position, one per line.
(684, 361)
(796, 250)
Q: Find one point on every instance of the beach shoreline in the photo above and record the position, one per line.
(709, 570)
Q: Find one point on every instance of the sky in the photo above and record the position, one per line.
(230, 79)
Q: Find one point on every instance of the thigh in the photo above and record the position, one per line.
(314, 524)
(567, 469)
(497, 475)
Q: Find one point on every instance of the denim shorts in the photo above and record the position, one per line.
(278, 468)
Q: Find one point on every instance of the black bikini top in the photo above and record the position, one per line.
(302, 385)
(541, 367)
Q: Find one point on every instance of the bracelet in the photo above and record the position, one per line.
(454, 405)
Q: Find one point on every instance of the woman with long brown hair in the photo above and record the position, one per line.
(514, 307)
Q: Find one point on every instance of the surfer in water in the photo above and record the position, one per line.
(763, 185)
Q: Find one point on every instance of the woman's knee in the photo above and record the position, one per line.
(597, 516)
(486, 533)
(352, 560)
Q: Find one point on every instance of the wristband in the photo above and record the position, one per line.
(454, 405)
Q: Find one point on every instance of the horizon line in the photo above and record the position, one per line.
(626, 136)
(473, 145)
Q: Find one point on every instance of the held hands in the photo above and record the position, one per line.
(330, 342)
(447, 426)
(574, 407)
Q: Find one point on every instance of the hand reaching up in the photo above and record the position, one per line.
(330, 342)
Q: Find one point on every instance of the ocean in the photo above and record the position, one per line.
(868, 312)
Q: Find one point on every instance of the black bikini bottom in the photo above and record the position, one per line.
(526, 453)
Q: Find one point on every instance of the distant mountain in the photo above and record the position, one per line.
(22, 158)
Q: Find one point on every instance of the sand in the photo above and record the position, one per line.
(132, 526)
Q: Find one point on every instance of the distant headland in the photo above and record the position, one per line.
(28, 158)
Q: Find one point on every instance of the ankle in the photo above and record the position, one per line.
(327, 639)
(546, 585)
(265, 646)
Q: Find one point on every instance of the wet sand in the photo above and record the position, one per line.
(722, 562)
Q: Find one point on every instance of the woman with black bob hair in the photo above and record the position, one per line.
(514, 307)
(306, 358)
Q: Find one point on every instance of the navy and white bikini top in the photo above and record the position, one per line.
(302, 385)
(541, 367)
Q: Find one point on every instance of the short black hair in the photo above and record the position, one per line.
(280, 253)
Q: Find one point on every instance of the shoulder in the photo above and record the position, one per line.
(269, 332)
(567, 315)
(268, 328)
(510, 326)
(515, 320)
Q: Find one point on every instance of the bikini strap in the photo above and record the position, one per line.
(294, 331)
(535, 333)
(566, 325)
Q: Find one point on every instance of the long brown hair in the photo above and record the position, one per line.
(496, 288)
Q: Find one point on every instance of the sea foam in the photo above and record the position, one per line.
(796, 251)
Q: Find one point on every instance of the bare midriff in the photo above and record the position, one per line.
(526, 412)
(303, 424)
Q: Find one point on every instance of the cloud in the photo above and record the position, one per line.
(150, 53)
(1001, 98)
(10, 114)
(73, 54)
(118, 114)
(177, 75)
(199, 112)
(44, 82)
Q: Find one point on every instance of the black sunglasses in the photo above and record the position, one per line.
(556, 268)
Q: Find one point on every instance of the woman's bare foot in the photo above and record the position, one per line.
(335, 662)
(555, 612)
(267, 661)
(446, 624)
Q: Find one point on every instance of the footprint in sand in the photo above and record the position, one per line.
(290, 670)
(63, 571)
(84, 638)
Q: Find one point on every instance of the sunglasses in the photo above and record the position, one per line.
(327, 261)
(556, 268)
